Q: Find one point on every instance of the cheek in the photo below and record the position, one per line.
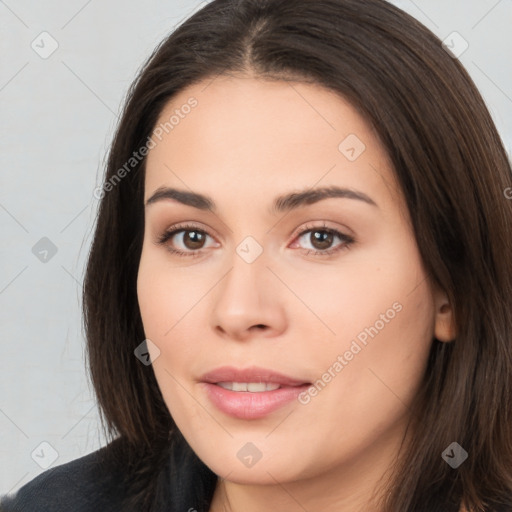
(381, 319)
(152, 298)
(164, 295)
(338, 304)
(170, 302)
(383, 359)
(161, 309)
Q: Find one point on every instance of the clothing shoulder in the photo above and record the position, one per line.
(111, 478)
(81, 485)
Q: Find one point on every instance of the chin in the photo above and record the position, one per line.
(273, 465)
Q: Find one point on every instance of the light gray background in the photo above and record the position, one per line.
(57, 119)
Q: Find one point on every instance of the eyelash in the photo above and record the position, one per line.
(168, 234)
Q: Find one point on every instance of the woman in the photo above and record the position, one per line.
(298, 295)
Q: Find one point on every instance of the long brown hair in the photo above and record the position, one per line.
(452, 169)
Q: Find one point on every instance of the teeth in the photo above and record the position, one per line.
(253, 387)
(240, 386)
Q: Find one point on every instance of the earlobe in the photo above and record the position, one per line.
(444, 329)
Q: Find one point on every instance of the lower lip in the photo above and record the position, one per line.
(246, 405)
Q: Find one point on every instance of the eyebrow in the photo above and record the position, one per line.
(283, 203)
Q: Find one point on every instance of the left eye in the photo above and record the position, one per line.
(322, 238)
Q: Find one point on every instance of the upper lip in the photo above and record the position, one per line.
(252, 374)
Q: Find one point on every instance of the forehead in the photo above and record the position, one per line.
(251, 136)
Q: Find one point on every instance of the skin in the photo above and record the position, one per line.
(247, 142)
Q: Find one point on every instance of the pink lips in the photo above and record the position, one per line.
(246, 404)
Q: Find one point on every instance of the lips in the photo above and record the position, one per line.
(253, 374)
(227, 389)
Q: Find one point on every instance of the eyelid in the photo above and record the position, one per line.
(310, 225)
(174, 229)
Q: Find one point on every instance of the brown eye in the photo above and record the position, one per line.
(184, 240)
(321, 240)
(193, 239)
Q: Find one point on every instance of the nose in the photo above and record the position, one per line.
(248, 301)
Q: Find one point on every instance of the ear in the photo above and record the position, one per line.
(444, 327)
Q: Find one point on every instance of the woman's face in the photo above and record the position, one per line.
(327, 291)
